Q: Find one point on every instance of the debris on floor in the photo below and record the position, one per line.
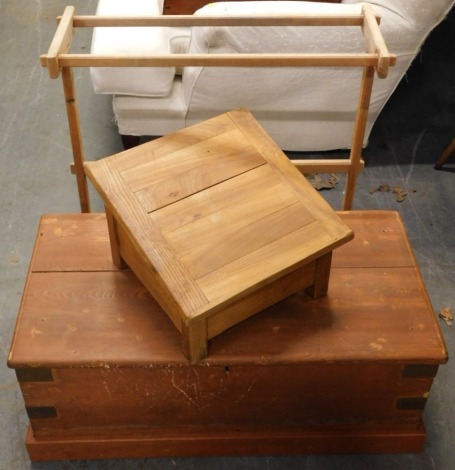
(382, 188)
(446, 315)
(319, 183)
(397, 190)
(400, 193)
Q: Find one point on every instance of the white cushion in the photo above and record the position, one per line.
(150, 116)
(307, 108)
(315, 112)
(301, 108)
(140, 81)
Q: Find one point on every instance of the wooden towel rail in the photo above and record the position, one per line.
(376, 58)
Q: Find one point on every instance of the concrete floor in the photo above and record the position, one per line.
(411, 133)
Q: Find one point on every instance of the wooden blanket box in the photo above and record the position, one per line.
(103, 376)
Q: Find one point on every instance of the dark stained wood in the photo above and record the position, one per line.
(242, 395)
(103, 376)
(188, 7)
(391, 320)
(374, 439)
(90, 244)
(389, 300)
(380, 241)
(449, 151)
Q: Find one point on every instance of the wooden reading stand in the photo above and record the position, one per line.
(217, 223)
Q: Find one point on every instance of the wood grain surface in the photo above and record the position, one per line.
(103, 375)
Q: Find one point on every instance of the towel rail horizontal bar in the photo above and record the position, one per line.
(375, 56)
(217, 60)
(88, 21)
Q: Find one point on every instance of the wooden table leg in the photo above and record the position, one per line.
(321, 277)
(195, 338)
(448, 152)
(114, 240)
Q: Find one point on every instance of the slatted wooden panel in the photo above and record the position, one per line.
(216, 220)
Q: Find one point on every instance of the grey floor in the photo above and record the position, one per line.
(411, 133)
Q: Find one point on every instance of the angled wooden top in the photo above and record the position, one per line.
(80, 311)
(217, 210)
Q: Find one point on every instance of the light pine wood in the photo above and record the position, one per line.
(195, 337)
(309, 166)
(114, 235)
(61, 42)
(231, 20)
(376, 56)
(355, 155)
(221, 60)
(72, 112)
(375, 42)
(213, 222)
(260, 299)
(321, 279)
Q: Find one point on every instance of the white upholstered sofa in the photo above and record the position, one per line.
(303, 109)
